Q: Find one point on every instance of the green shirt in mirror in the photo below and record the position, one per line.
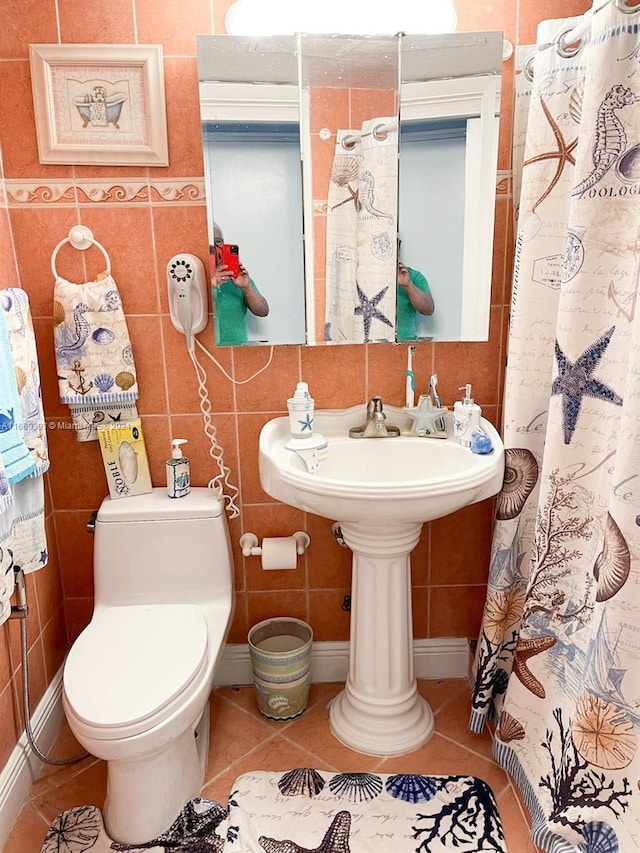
(405, 312)
(230, 314)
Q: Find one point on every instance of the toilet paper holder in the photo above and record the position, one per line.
(249, 543)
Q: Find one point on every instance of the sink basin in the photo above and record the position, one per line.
(378, 479)
(380, 490)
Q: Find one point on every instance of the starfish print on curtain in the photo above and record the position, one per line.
(575, 381)
(368, 310)
(564, 151)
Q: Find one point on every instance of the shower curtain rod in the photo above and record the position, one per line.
(569, 41)
(566, 40)
(379, 132)
(575, 34)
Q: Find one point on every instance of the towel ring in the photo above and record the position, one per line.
(81, 238)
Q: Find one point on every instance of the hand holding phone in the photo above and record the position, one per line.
(229, 255)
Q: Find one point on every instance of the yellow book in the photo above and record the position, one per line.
(125, 458)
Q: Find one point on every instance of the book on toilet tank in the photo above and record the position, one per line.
(125, 458)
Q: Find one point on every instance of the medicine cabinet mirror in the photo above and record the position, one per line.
(275, 111)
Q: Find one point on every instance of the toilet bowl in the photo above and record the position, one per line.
(137, 680)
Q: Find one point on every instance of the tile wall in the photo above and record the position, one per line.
(145, 216)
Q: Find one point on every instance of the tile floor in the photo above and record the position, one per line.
(243, 740)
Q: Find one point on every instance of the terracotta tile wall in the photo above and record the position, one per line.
(143, 217)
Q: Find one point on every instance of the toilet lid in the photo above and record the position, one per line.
(131, 661)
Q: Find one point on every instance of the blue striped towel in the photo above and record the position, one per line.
(18, 461)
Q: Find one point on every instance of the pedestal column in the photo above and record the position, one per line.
(380, 711)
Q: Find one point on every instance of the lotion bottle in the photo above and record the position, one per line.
(178, 475)
(466, 417)
(301, 407)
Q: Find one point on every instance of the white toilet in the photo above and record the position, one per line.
(137, 679)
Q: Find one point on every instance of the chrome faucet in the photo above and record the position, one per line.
(375, 425)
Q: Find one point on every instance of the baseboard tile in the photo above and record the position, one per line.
(23, 765)
(446, 657)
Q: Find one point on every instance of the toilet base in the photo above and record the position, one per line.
(145, 796)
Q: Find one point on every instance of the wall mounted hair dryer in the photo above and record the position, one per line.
(187, 290)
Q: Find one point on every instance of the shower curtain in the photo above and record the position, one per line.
(556, 667)
(362, 203)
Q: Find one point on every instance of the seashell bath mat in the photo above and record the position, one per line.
(312, 811)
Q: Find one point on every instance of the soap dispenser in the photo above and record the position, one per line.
(310, 446)
(466, 417)
(178, 474)
(301, 407)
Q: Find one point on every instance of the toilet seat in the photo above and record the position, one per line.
(132, 667)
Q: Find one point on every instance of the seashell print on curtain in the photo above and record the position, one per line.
(362, 208)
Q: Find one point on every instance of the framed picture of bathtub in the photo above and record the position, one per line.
(100, 104)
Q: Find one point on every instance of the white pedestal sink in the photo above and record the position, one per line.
(381, 491)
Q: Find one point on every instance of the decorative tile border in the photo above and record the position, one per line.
(185, 190)
(112, 192)
(504, 183)
(18, 193)
(103, 191)
(37, 192)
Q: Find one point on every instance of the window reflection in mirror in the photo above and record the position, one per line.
(448, 161)
(431, 220)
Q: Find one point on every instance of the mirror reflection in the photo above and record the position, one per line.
(398, 140)
(349, 92)
(251, 143)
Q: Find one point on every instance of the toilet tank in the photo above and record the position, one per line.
(152, 549)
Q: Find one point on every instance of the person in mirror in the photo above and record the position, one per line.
(233, 296)
(413, 296)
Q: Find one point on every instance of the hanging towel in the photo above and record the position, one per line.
(5, 489)
(18, 462)
(96, 370)
(7, 583)
(22, 526)
(22, 341)
(6, 564)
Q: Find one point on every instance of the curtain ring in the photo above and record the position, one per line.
(528, 67)
(380, 132)
(567, 51)
(349, 142)
(621, 6)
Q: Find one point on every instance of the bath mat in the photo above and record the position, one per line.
(309, 811)
(199, 828)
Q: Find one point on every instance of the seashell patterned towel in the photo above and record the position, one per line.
(96, 370)
(307, 810)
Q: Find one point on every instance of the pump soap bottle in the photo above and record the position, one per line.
(301, 407)
(178, 475)
(310, 446)
(466, 417)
